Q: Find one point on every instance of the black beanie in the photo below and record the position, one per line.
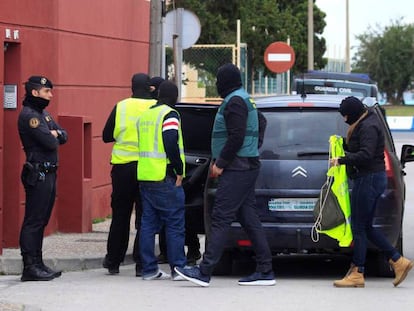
(228, 79)
(351, 107)
(168, 93)
(155, 82)
(140, 85)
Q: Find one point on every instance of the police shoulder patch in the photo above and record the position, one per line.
(34, 122)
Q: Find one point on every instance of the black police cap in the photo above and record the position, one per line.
(40, 81)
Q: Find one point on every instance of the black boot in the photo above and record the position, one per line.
(55, 274)
(32, 270)
(112, 268)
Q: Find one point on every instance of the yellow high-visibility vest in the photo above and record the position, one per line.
(343, 232)
(152, 164)
(125, 149)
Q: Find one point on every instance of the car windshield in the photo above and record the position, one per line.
(293, 135)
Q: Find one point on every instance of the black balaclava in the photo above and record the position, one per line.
(155, 82)
(140, 85)
(36, 83)
(168, 93)
(228, 79)
(353, 108)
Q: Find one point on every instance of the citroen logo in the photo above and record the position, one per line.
(299, 171)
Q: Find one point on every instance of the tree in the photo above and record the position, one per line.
(387, 55)
(262, 22)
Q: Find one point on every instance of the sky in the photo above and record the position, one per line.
(362, 15)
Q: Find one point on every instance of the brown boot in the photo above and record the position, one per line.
(401, 268)
(352, 279)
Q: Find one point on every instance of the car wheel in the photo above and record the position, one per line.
(380, 266)
(378, 262)
(225, 264)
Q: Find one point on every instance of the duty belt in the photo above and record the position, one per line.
(46, 167)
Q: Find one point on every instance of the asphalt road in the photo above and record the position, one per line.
(303, 283)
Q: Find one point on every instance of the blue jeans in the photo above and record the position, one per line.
(366, 191)
(163, 205)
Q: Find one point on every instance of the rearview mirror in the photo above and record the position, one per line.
(407, 154)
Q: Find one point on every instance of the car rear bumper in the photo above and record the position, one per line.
(293, 238)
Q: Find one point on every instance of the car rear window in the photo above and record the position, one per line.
(300, 133)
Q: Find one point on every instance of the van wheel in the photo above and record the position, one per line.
(225, 264)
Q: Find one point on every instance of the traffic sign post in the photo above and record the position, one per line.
(279, 57)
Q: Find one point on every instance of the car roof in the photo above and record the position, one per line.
(310, 100)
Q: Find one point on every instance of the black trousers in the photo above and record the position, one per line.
(125, 197)
(235, 199)
(39, 204)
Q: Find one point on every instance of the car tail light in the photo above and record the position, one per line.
(388, 166)
(244, 243)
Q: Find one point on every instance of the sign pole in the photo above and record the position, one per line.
(288, 73)
(178, 50)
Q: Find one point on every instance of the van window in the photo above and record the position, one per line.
(300, 134)
(347, 84)
(333, 87)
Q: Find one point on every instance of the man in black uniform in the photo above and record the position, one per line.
(40, 136)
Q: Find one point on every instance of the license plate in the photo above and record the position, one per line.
(292, 204)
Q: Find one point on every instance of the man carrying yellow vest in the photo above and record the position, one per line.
(121, 129)
(161, 170)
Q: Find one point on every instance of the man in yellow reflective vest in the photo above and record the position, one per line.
(121, 129)
(161, 170)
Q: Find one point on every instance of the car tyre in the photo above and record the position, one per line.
(225, 264)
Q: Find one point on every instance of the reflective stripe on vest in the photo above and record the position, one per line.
(152, 164)
(125, 149)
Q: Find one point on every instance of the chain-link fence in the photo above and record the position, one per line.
(199, 68)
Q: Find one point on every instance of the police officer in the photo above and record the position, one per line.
(121, 128)
(41, 137)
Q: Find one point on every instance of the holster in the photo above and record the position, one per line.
(30, 174)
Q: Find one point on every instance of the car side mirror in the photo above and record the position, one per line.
(407, 154)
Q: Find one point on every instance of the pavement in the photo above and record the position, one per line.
(69, 251)
(66, 252)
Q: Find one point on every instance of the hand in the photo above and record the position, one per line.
(54, 133)
(334, 162)
(179, 181)
(216, 171)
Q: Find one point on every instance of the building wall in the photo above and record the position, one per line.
(89, 49)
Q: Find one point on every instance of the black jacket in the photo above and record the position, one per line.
(364, 153)
(34, 130)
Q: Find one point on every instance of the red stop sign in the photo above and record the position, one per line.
(279, 57)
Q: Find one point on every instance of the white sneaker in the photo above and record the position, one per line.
(158, 275)
(176, 277)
